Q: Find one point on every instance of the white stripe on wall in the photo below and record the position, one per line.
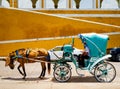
(50, 38)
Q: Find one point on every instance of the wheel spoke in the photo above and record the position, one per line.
(105, 72)
(62, 73)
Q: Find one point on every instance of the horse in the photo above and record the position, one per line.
(28, 56)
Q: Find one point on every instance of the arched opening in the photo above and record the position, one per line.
(4, 3)
(56, 4)
(29, 4)
(109, 4)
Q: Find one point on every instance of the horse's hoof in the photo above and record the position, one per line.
(41, 77)
(23, 78)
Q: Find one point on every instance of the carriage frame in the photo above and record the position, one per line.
(97, 65)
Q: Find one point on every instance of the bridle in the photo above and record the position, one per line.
(15, 57)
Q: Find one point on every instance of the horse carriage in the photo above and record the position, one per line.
(96, 64)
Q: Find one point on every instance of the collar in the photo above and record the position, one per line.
(17, 52)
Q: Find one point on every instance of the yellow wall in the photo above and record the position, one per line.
(5, 49)
(18, 24)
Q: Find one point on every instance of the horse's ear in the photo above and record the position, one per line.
(7, 61)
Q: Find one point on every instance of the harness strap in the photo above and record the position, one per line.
(17, 52)
(17, 55)
(27, 52)
(48, 57)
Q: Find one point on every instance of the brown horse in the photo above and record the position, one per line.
(28, 56)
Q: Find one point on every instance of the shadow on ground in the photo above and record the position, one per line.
(27, 79)
(78, 79)
(74, 79)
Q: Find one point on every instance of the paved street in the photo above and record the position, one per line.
(11, 79)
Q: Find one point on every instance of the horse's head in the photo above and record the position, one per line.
(10, 60)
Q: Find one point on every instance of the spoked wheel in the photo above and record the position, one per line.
(92, 71)
(105, 72)
(62, 73)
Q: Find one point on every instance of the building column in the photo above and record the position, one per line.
(43, 4)
(97, 5)
(69, 4)
(77, 2)
(15, 3)
(55, 3)
(118, 1)
(0, 2)
(101, 3)
(11, 3)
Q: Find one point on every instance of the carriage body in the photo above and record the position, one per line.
(96, 43)
(67, 49)
(96, 64)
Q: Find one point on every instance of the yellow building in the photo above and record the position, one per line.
(20, 24)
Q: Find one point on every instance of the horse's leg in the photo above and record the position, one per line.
(43, 70)
(23, 67)
(20, 70)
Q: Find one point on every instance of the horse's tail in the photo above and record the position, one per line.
(49, 64)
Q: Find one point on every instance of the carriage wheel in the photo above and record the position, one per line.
(55, 66)
(105, 72)
(62, 73)
(92, 71)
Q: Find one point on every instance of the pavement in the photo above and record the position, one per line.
(11, 79)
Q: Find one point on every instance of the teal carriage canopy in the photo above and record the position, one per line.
(97, 43)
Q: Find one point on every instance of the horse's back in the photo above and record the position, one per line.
(42, 52)
(38, 52)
